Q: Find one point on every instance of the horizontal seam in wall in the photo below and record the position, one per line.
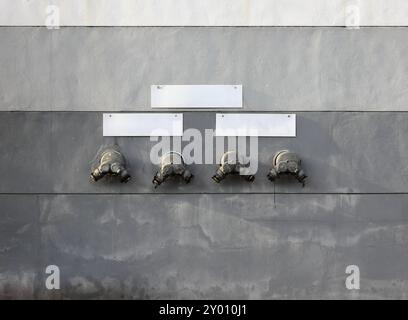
(203, 26)
(200, 193)
(206, 111)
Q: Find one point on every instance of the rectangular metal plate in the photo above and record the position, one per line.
(196, 96)
(142, 124)
(256, 125)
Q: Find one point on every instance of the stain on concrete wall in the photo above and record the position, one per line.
(204, 246)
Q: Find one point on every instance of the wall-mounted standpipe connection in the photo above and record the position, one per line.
(284, 163)
(230, 164)
(111, 163)
(172, 164)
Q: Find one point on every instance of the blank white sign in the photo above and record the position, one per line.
(142, 124)
(256, 125)
(196, 96)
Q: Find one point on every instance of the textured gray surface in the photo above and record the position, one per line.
(342, 152)
(204, 246)
(280, 68)
(204, 240)
(184, 243)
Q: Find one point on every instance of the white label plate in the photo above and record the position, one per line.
(142, 124)
(256, 125)
(196, 96)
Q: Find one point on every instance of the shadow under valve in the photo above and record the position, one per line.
(172, 164)
(111, 163)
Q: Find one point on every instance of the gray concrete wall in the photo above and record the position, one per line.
(280, 68)
(204, 240)
(204, 246)
(342, 152)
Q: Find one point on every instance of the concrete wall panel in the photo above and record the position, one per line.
(342, 153)
(211, 246)
(280, 68)
(25, 64)
(20, 244)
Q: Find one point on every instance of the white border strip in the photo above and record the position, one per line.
(204, 13)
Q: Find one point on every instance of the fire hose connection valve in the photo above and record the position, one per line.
(172, 164)
(230, 164)
(111, 163)
(287, 163)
